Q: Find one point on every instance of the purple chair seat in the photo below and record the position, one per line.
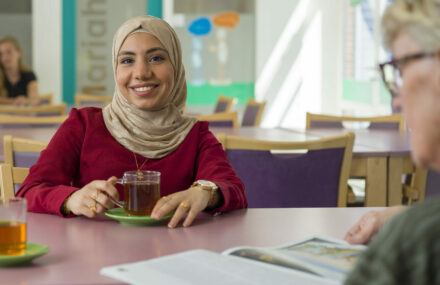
(280, 181)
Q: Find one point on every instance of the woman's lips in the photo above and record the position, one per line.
(143, 90)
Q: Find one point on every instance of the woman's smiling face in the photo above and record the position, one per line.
(144, 73)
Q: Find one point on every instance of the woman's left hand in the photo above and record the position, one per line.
(191, 202)
(21, 101)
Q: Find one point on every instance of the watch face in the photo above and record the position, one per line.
(206, 183)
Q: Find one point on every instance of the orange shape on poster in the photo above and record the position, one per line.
(226, 19)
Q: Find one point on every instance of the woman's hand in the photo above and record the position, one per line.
(370, 224)
(21, 101)
(94, 198)
(191, 201)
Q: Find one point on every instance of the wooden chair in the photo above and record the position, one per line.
(414, 185)
(317, 178)
(22, 152)
(225, 119)
(9, 176)
(41, 110)
(224, 104)
(91, 100)
(253, 113)
(14, 121)
(389, 122)
(46, 99)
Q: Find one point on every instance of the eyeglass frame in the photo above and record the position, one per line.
(396, 63)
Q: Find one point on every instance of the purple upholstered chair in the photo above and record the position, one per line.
(224, 104)
(253, 113)
(226, 119)
(317, 178)
(21, 152)
(46, 99)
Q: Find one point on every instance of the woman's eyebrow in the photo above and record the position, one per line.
(156, 49)
(126, 53)
(148, 51)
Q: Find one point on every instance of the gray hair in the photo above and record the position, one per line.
(419, 18)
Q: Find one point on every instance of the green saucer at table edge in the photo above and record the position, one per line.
(33, 250)
(125, 219)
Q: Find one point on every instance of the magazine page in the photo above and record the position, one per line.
(206, 267)
(324, 257)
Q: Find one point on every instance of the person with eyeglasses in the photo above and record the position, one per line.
(405, 241)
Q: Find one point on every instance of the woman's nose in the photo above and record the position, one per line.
(142, 71)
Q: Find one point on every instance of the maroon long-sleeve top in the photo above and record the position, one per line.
(83, 150)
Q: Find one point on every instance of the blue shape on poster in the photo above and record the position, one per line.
(200, 26)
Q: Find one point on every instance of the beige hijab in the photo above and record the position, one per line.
(155, 133)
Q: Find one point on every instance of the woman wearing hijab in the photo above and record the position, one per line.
(407, 249)
(143, 128)
(18, 84)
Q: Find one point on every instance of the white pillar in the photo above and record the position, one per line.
(47, 46)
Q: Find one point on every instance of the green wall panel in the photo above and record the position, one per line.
(207, 94)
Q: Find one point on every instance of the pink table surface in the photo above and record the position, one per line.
(80, 247)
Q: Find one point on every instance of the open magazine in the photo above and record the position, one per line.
(313, 261)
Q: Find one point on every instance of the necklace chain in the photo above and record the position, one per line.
(137, 165)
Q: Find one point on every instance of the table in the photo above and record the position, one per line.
(80, 247)
(381, 156)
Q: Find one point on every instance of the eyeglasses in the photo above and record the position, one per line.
(391, 71)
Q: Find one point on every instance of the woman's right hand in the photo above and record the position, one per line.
(93, 198)
(370, 224)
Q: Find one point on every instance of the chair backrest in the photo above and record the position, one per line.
(9, 176)
(41, 110)
(253, 113)
(22, 152)
(394, 121)
(46, 99)
(317, 178)
(226, 119)
(91, 100)
(26, 121)
(224, 104)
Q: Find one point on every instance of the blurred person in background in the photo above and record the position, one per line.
(18, 84)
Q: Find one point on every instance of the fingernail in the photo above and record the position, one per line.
(170, 225)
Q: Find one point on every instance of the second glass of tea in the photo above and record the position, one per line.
(13, 226)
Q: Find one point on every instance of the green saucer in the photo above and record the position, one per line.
(125, 219)
(33, 250)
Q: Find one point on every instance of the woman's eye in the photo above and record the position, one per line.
(157, 58)
(126, 61)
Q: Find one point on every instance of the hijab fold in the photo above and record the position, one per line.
(151, 133)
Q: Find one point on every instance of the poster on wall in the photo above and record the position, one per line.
(218, 46)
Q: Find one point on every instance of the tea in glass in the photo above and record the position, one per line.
(141, 192)
(141, 197)
(13, 226)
